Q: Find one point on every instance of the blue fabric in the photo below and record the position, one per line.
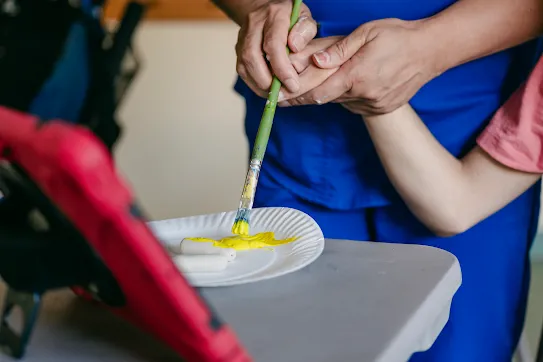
(308, 144)
(487, 313)
(320, 160)
(64, 93)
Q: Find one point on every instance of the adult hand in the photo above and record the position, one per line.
(382, 65)
(263, 39)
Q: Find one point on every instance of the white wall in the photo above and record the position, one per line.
(184, 150)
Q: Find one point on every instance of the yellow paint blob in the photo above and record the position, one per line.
(240, 227)
(246, 242)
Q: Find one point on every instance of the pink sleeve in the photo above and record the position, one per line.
(514, 136)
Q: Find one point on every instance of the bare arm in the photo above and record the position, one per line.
(448, 195)
(471, 29)
(237, 10)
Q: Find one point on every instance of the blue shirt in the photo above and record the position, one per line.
(324, 154)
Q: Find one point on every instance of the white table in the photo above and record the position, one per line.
(368, 302)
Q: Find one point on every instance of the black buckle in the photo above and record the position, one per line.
(114, 66)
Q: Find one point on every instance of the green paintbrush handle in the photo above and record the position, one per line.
(264, 129)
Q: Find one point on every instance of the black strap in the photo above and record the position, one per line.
(101, 105)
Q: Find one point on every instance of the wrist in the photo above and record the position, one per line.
(432, 45)
(400, 114)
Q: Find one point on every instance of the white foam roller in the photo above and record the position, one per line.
(201, 263)
(174, 249)
(190, 247)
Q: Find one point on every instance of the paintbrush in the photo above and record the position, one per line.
(241, 223)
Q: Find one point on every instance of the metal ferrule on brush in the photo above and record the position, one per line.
(249, 188)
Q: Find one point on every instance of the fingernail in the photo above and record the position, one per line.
(281, 96)
(292, 85)
(301, 18)
(322, 57)
(297, 42)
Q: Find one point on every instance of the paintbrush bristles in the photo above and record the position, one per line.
(241, 225)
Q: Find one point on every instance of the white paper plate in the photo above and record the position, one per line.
(252, 265)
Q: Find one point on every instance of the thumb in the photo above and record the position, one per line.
(303, 31)
(337, 54)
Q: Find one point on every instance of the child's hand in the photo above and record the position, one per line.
(311, 76)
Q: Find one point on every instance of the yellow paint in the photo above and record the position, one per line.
(240, 227)
(246, 242)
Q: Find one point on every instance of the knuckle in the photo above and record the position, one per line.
(341, 48)
(240, 69)
(247, 59)
(276, 7)
(261, 84)
(240, 41)
(239, 48)
(270, 45)
(347, 84)
(253, 18)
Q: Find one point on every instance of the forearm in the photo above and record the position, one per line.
(237, 10)
(471, 29)
(446, 194)
(427, 177)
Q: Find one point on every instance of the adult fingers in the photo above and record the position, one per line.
(303, 31)
(333, 87)
(250, 82)
(309, 79)
(274, 44)
(251, 65)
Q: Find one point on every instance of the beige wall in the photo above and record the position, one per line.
(184, 150)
